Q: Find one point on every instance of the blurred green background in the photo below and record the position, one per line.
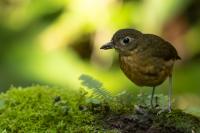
(53, 42)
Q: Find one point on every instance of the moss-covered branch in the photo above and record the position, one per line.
(45, 109)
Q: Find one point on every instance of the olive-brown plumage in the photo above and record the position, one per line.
(146, 59)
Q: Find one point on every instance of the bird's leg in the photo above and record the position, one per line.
(152, 96)
(170, 93)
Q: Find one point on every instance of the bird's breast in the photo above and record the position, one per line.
(145, 70)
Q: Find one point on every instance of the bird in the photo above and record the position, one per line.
(146, 59)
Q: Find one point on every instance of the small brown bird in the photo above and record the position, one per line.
(146, 59)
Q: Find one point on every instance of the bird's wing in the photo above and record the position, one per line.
(161, 48)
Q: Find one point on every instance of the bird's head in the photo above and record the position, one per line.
(124, 40)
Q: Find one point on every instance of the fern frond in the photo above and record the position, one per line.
(95, 86)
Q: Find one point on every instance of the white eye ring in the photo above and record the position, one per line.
(126, 40)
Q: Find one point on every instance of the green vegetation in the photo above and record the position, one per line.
(49, 109)
(44, 109)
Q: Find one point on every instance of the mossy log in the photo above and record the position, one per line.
(45, 109)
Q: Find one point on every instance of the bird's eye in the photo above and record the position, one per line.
(126, 40)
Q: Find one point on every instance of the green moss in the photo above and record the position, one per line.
(181, 121)
(40, 109)
(46, 109)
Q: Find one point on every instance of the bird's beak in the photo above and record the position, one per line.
(108, 45)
